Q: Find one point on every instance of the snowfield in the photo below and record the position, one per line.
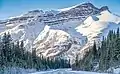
(96, 26)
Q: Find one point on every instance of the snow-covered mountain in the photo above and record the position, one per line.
(63, 33)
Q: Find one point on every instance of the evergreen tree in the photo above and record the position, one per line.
(94, 50)
(22, 49)
(117, 49)
(118, 32)
(76, 61)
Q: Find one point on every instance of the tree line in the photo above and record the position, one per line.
(103, 56)
(14, 54)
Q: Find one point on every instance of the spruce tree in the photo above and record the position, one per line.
(76, 61)
(94, 50)
(117, 49)
(118, 32)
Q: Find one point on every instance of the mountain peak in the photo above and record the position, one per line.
(85, 5)
(35, 11)
(104, 8)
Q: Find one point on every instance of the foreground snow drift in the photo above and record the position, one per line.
(65, 71)
(57, 71)
(14, 70)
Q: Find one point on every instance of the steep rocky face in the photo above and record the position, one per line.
(79, 12)
(85, 9)
(60, 33)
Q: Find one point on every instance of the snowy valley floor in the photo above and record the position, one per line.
(65, 71)
(55, 71)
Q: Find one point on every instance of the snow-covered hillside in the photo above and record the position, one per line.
(97, 26)
(61, 33)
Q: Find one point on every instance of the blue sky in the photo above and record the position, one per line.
(9, 8)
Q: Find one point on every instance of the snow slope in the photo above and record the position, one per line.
(97, 26)
(59, 38)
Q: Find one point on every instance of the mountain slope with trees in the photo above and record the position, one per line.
(13, 54)
(104, 56)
